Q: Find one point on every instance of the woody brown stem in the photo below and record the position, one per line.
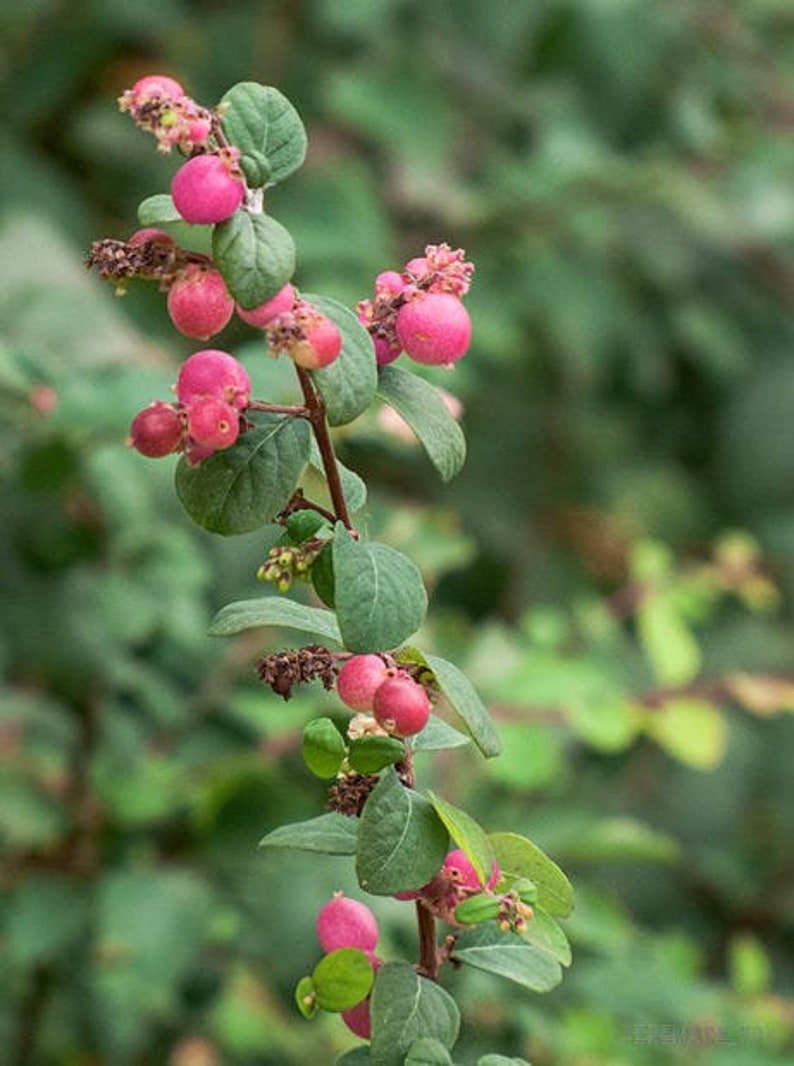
(316, 415)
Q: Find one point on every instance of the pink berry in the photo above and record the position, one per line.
(389, 283)
(346, 923)
(199, 303)
(204, 190)
(457, 864)
(417, 267)
(321, 346)
(434, 328)
(401, 705)
(214, 373)
(358, 1019)
(265, 313)
(156, 430)
(153, 85)
(149, 233)
(386, 351)
(212, 422)
(358, 680)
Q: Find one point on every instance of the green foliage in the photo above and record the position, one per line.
(256, 256)
(405, 1005)
(267, 129)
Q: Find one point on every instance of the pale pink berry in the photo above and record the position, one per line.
(155, 85)
(386, 350)
(199, 303)
(321, 345)
(211, 372)
(417, 267)
(157, 430)
(358, 1019)
(389, 283)
(458, 866)
(434, 328)
(199, 130)
(205, 192)
(401, 706)
(265, 313)
(358, 680)
(346, 923)
(212, 421)
(147, 234)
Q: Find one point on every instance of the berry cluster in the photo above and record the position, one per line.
(456, 881)
(159, 104)
(420, 311)
(346, 923)
(213, 390)
(399, 705)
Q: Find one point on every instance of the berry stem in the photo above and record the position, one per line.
(297, 410)
(429, 957)
(316, 415)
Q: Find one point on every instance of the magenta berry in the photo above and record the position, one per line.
(401, 706)
(358, 680)
(205, 191)
(265, 313)
(157, 430)
(321, 345)
(458, 866)
(434, 328)
(149, 233)
(212, 422)
(211, 372)
(155, 85)
(358, 1019)
(346, 923)
(199, 303)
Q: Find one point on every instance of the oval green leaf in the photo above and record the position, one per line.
(353, 487)
(470, 837)
(323, 747)
(305, 998)
(379, 596)
(327, 834)
(348, 384)
(256, 256)
(420, 404)
(486, 947)
(368, 755)
(407, 1008)
(428, 1052)
(263, 123)
(342, 979)
(274, 611)
(244, 487)
(159, 211)
(401, 840)
(519, 857)
(463, 699)
(481, 908)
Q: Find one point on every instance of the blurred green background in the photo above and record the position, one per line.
(614, 567)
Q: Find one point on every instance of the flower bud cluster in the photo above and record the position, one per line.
(420, 311)
(213, 390)
(285, 563)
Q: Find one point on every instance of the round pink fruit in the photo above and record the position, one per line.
(156, 430)
(434, 328)
(205, 192)
(212, 422)
(211, 372)
(321, 345)
(262, 315)
(358, 1019)
(458, 865)
(401, 706)
(153, 85)
(358, 680)
(346, 923)
(199, 303)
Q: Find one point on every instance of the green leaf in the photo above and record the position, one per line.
(368, 755)
(470, 837)
(327, 834)
(486, 947)
(500, 1060)
(322, 574)
(546, 934)
(419, 403)
(323, 747)
(428, 1052)
(244, 487)
(256, 256)
(274, 611)
(692, 730)
(159, 211)
(305, 999)
(519, 857)
(348, 384)
(465, 701)
(438, 736)
(483, 907)
(342, 979)
(407, 1008)
(667, 641)
(379, 596)
(357, 1056)
(265, 126)
(402, 842)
